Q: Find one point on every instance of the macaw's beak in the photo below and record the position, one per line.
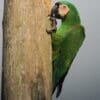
(54, 10)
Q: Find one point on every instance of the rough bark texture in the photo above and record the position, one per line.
(27, 70)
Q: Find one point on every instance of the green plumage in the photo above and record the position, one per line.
(65, 43)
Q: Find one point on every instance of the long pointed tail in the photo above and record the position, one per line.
(59, 89)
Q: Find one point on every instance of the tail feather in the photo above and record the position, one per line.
(59, 89)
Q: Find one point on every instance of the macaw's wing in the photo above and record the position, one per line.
(69, 47)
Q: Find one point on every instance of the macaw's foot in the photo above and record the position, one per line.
(50, 31)
(53, 25)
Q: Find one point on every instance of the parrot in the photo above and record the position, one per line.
(66, 41)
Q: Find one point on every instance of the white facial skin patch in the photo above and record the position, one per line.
(63, 10)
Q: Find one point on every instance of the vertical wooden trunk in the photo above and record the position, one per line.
(27, 70)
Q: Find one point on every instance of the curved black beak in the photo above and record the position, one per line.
(55, 12)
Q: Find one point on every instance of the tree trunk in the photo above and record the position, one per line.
(27, 69)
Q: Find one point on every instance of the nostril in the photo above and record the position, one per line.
(53, 15)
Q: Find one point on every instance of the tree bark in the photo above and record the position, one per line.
(27, 69)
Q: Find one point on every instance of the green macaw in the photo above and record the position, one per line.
(66, 41)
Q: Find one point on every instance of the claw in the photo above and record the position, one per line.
(53, 24)
(53, 30)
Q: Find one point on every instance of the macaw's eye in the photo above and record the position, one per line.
(64, 6)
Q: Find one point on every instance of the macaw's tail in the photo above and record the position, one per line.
(59, 89)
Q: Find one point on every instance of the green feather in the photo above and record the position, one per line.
(65, 43)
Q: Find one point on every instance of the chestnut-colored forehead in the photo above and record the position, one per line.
(58, 3)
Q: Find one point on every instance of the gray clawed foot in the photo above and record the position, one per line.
(53, 24)
(53, 30)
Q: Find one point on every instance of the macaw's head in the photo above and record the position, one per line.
(65, 11)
